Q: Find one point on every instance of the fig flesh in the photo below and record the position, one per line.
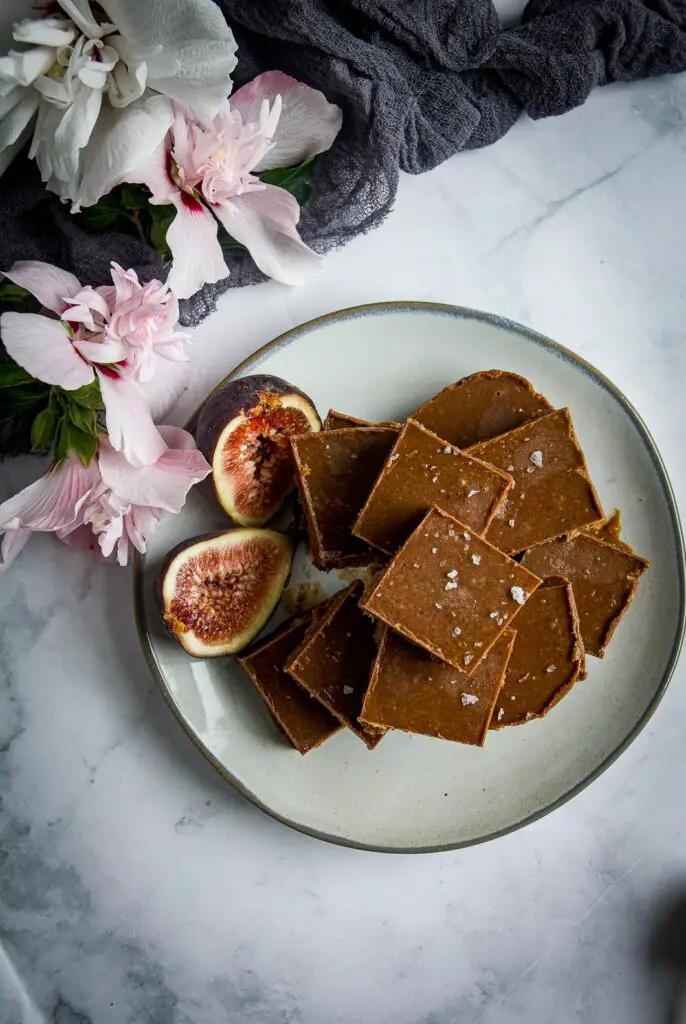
(217, 592)
(243, 431)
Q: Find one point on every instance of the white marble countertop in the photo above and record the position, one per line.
(139, 888)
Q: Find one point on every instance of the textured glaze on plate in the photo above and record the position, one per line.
(412, 792)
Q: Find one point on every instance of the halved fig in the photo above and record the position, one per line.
(243, 431)
(217, 592)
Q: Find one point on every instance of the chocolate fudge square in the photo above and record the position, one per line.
(552, 491)
(423, 472)
(450, 591)
(481, 406)
(302, 719)
(335, 471)
(415, 692)
(334, 662)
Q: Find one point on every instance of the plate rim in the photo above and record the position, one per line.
(502, 323)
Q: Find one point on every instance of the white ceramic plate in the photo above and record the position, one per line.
(415, 793)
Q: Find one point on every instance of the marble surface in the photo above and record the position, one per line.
(138, 888)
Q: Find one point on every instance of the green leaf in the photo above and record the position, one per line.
(72, 440)
(12, 375)
(22, 400)
(161, 216)
(85, 419)
(12, 294)
(88, 396)
(295, 180)
(104, 214)
(133, 197)
(43, 430)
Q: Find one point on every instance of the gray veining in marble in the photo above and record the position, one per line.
(137, 888)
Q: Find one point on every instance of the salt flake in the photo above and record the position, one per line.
(450, 585)
(550, 668)
(476, 559)
(469, 698)
(518, 595)
(452, 574)
(474, 490)
(537, 459)
(347, 690)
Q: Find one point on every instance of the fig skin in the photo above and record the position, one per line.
(231, 407)
(164, 586)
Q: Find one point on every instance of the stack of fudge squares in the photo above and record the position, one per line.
(495, 571)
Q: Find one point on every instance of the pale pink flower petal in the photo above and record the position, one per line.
(265, 222)
(129, 423)
(51, 503)
(163, 485)
(101, 351)
(13, 542)
(44, 348)
(308, 124)
(50, 285)
(165, 388)
(197, 254)
(153, 171)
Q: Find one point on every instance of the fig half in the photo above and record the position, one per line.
(243, 431)
(217, 592)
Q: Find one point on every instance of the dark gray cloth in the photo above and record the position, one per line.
(417, 80)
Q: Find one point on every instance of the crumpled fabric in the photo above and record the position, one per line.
(417, 81)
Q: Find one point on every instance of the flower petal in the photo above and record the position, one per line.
(199, 50)
(24, 67)
(43, 347)
(44, 32)
(197, 254)
(264, 221)
(48, 284)
(308, 124)
(14, 124)
(162, 485)
(121, 140)
(13, 542)
(129, 423)
(54, 501)
(80, 13)
(153, 171)
(166, 387)
(101, 351)
(73, 132)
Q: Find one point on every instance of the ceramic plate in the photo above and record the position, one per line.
(415, 793)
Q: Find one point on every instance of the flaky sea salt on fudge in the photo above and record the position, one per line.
(450, 591)
(422, 472)
(415, 692)
(552, 491)
(547, 658)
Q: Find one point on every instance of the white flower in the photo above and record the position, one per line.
(82, 69)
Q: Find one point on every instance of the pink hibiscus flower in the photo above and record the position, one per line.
(109, 502)
(124, 334)
(208, 171)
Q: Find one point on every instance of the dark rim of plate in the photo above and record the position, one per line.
(461, 313)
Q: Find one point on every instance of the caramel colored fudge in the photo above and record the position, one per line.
(334, 662)
(609, 530)
(335, 471)
(552, 491)
(604, 577)
(336, 420)
(422, 472)
(481, 406)
(303, 720)
(547, 658)
(450, 591)
(412, 691)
